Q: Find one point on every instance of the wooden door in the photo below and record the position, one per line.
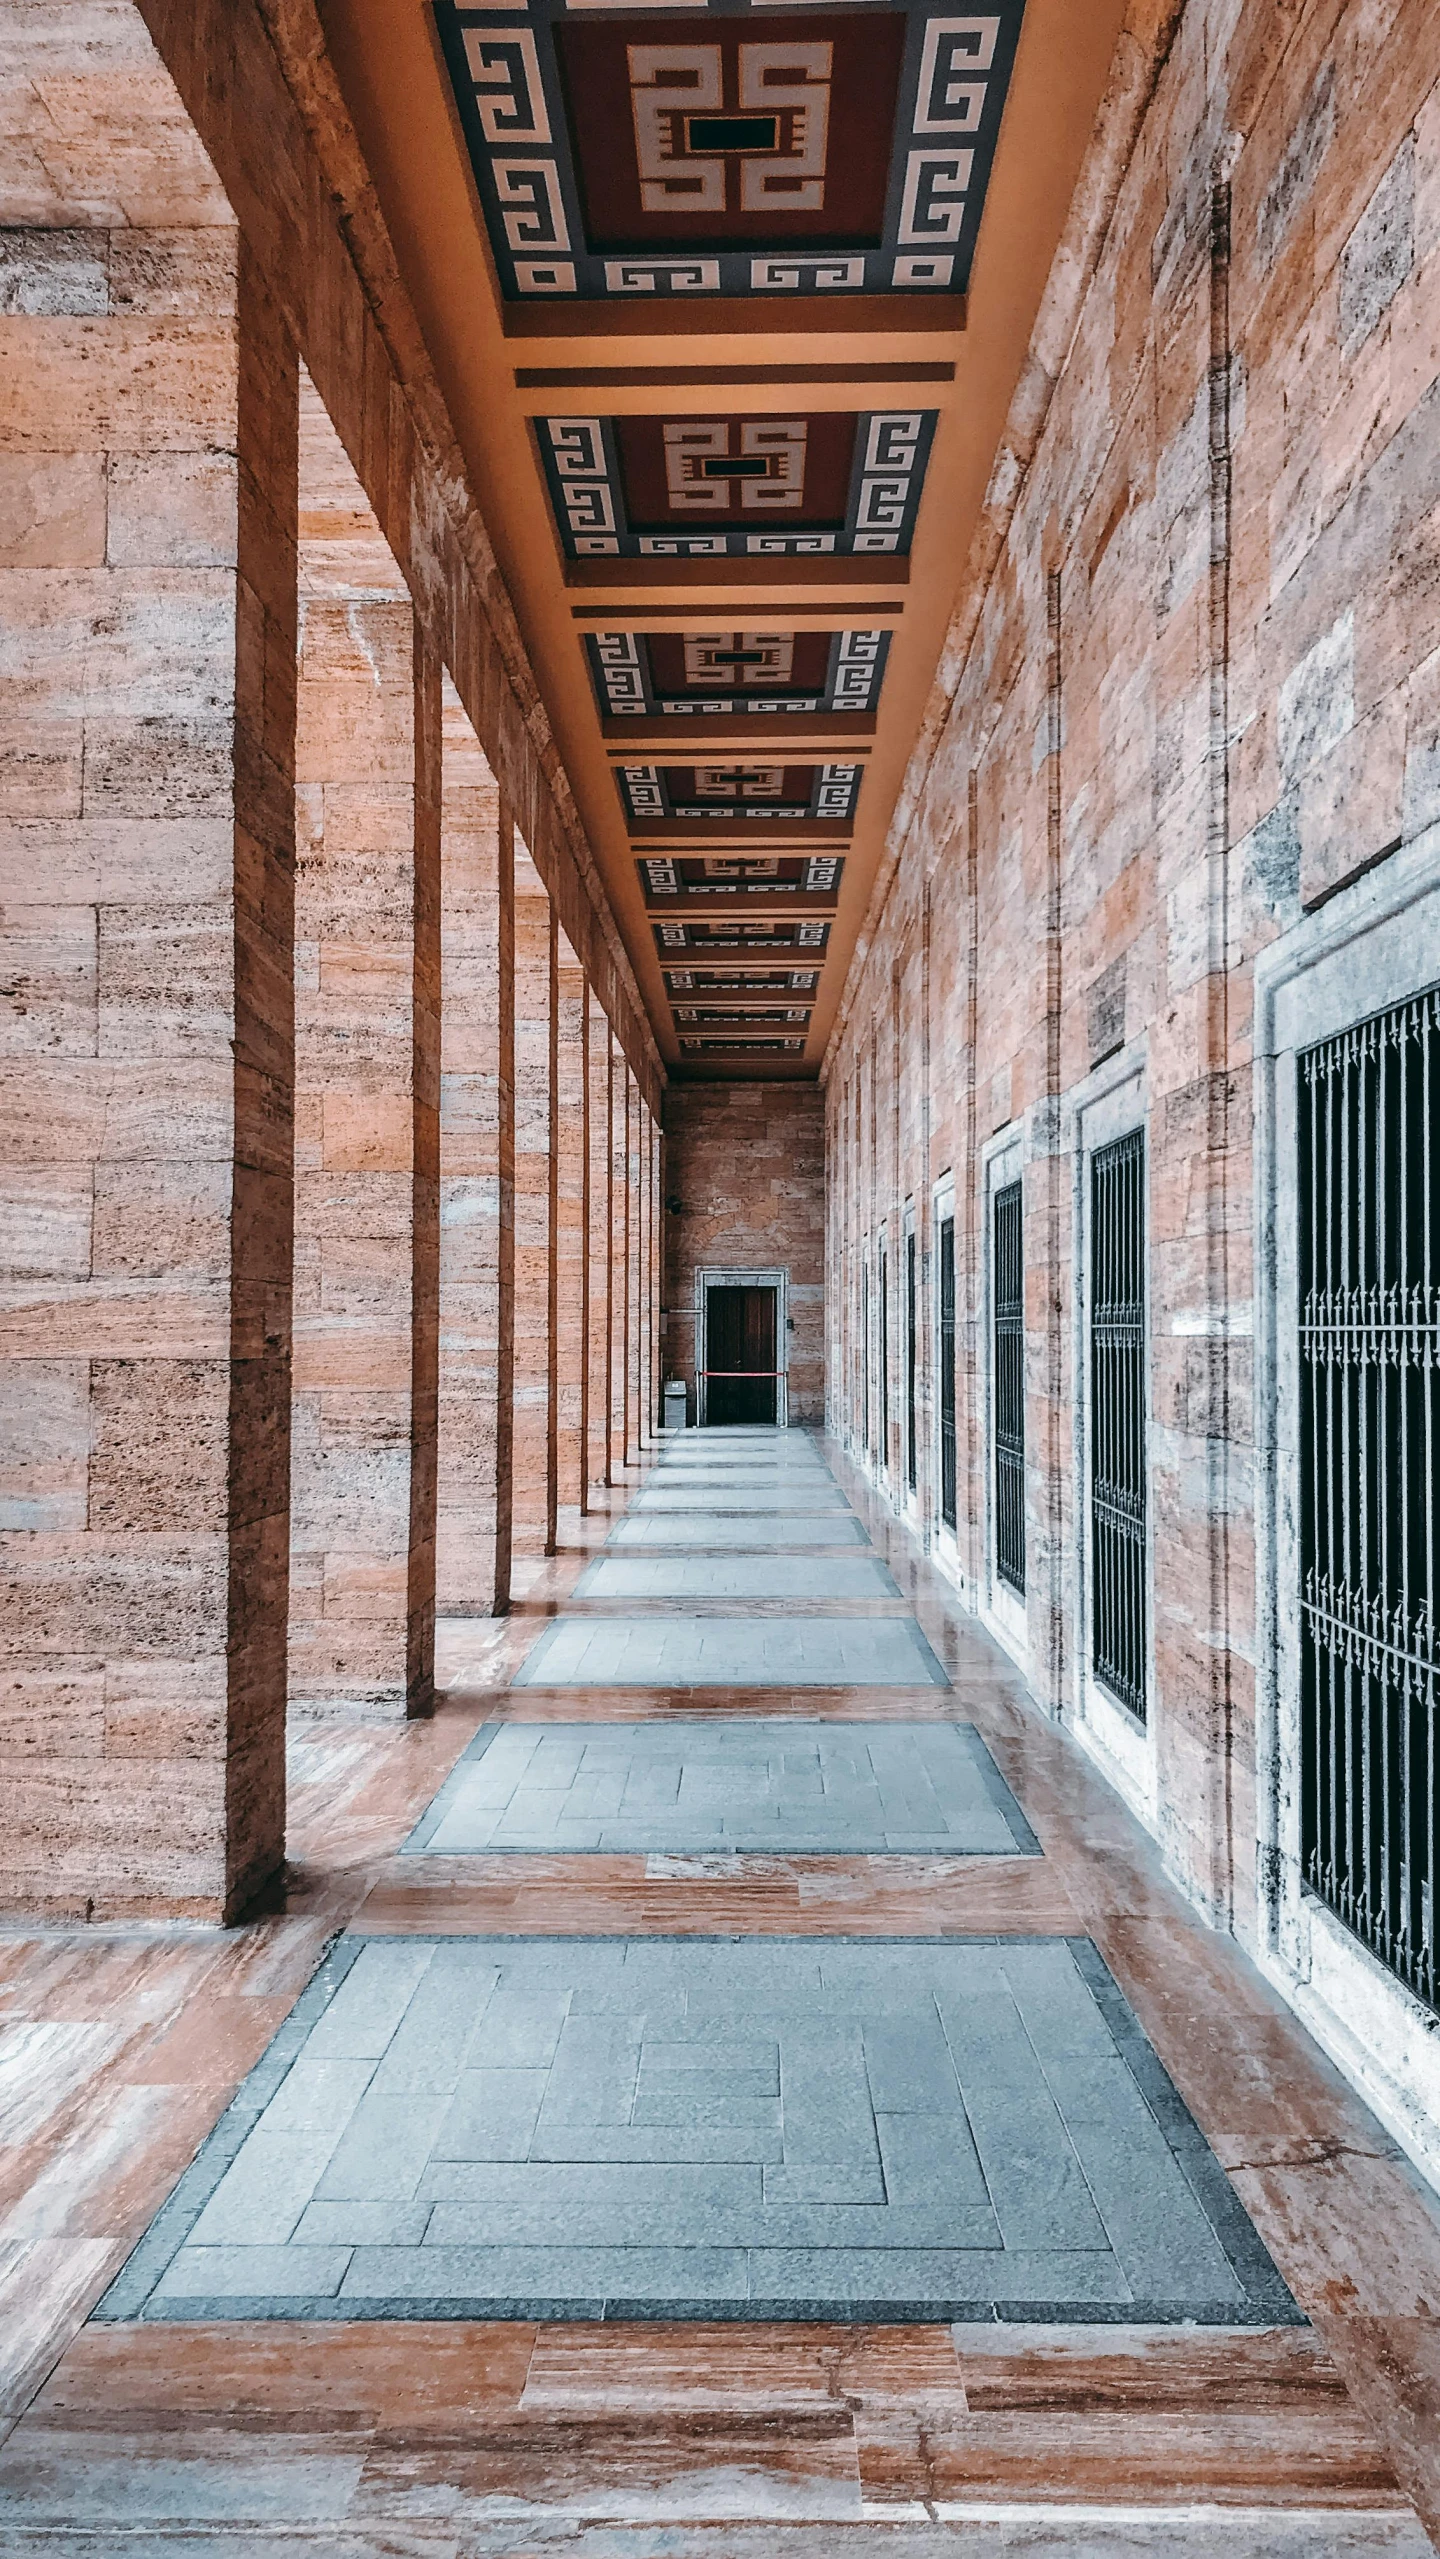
(740, 1336)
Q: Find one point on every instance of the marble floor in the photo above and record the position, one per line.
(662, 2118)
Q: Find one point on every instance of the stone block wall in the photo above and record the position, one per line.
(184, 225)
(1192, 692)
(147, 585)
(746, 1165)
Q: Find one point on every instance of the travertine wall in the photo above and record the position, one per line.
(185, 219)
(746, 1162)
(147, 585)
(1194, 689)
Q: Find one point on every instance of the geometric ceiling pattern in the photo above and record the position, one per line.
(736, 487)
(728, 149)
(723, 674)
(706, 282)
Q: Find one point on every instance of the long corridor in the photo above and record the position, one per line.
(764, 2100)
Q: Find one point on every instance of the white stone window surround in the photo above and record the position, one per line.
(777, 1276)
(1367, 948)
(908, 1502)
(1001, 1610)
(1109, 1104)
(882, 1327)
(944, 1540)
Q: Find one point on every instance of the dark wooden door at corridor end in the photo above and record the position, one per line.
(740, 1337)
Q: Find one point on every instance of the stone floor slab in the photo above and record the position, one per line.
(807, 1788)
(731, 1652)
(712, 1577)
(758, 1532)
(953, 2218)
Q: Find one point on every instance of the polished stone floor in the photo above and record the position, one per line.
(502, 2129)
(732, 2134)
(685, 1787)
(732, 1652)
(639, 2127)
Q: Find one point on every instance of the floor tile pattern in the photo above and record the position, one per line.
(731, 1652)
(720, 1577)
(757, 1531)
(789, 1787)
(653, 2127)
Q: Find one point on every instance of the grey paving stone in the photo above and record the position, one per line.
(789, 1497)
(362, 2225)
(253, 2273)
(764, 1784)
(492, 2116)
(383, 2151)
(758, 1533)
(263, 2193)
(959, 2124)
(722, 1652)
(371, 2001)
(318, 2095)
(548, 2274)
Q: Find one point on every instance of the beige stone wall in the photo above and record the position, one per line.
(1194, 690)
(183, 222)
(147, 587)
(746, 1164)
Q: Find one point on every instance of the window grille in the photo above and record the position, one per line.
(1007, 1290)
(1369, 1276)
(865, 1349)
(883, 1282)
(1117, 1418)
(911, 1346)
(948, 1511)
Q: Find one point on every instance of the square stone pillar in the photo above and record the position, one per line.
(534, 1484)
(147, 583)
(362, 1618)
(597, 1063)
(571, 1256)
(477, 1182)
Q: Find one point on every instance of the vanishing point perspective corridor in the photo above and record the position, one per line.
(719, 1279)
(733, 1947)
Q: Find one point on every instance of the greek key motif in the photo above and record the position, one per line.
(691, 275)
(795, 275)
(951, 99)
(933, 207)
(528, 193)
(509, 96)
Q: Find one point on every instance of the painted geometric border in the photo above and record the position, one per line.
(820, 877)
(645, 793)
(582, 470)
(625, 686)
(801, 933)
(503, 69)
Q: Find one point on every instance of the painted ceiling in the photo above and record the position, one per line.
(728, 300)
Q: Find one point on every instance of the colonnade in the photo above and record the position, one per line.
(329, 1154)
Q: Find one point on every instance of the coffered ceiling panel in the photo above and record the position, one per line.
(728, 147)
(723, 674)
(736, 488)
(728, 300)
(747, 795)
(802, 882)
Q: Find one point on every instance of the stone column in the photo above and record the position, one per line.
(147, 582)
(533, 1479)
(597, 1052)
(625, 1117)
(367, 1152)
(477, 1208)
(571, 1263)
(614, 1257)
